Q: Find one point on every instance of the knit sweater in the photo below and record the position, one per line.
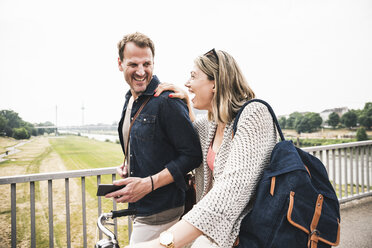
(224, 196)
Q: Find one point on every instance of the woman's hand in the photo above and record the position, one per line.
(178, 92)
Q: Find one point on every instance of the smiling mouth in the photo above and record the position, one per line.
(139, 79)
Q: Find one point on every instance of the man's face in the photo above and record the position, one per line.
(137, 66)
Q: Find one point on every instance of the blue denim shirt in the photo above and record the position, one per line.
(161, 137)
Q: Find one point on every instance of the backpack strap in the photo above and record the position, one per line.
(235, 125)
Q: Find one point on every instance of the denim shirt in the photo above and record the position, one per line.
(161, 137)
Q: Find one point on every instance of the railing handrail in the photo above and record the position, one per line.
(112, 170)
(56, 175)
(337, 146)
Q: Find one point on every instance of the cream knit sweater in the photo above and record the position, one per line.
(223, 195)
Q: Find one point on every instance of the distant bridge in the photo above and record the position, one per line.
(85, 127)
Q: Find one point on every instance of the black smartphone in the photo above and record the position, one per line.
(104, 189)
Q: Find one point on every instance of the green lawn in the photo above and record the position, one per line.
(82, 153)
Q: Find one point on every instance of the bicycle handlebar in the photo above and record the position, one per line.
(123, 212)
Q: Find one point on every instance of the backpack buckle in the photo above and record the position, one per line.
(313, 239)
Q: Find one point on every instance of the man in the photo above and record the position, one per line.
(163, 146)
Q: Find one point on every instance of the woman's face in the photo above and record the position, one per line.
(202, 88)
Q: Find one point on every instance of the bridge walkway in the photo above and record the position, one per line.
(356, 224)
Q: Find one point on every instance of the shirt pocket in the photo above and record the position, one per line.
(144, 127)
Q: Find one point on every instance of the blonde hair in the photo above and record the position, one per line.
(231, 88)
(139, 39)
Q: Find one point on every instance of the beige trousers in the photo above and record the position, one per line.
(144, 232)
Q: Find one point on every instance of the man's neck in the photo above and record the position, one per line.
(135, 95)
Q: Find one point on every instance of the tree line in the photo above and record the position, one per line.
(310, 122)
(12, 125)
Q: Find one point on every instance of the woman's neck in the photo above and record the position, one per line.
(218, 137)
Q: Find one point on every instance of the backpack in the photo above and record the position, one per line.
(295, 204)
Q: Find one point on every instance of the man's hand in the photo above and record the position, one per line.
(122, 170)
(136, 188)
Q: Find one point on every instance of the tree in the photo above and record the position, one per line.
(14, 121)
(349, 119)
(3, 125)
(315, 121)
(308, 123)
(333, 119)
(303, 125)
(282, 122)
(293, 120)
(365, 117)
(20, 133)
(361, 134)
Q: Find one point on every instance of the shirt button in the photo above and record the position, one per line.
(144, 119)
(131, 172)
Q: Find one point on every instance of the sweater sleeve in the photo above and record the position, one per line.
(201, 126)
(219, 214)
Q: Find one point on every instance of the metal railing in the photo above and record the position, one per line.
(50, 177)
(348, 166)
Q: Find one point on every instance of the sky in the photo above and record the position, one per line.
(59, 56)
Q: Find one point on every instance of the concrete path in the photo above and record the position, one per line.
(12, 150)
(356, 224)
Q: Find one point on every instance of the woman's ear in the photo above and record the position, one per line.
(214, 87)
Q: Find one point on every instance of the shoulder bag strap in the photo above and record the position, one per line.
(132, 122)
(270, 110)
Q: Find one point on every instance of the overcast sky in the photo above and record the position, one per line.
(298, 55)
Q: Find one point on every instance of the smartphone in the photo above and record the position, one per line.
(104, 189)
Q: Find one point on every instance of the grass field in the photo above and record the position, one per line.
(50, 154)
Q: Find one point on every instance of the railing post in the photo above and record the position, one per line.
(339, 173)
(113, 177)
(84, 212)
(99, 205)
(362, 152)
(50, 204)
(67, 199)
(351, 171)
(13, 200)
(32, 210)
(357, 169)
(334, 168)
(345, 170)
(327, 160)
(368, 158)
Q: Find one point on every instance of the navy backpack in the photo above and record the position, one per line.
(295, 204)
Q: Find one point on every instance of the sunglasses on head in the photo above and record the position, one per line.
(211, 53)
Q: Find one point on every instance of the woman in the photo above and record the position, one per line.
(232, 165)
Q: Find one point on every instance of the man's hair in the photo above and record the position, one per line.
(139, 39)
(231, 88)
